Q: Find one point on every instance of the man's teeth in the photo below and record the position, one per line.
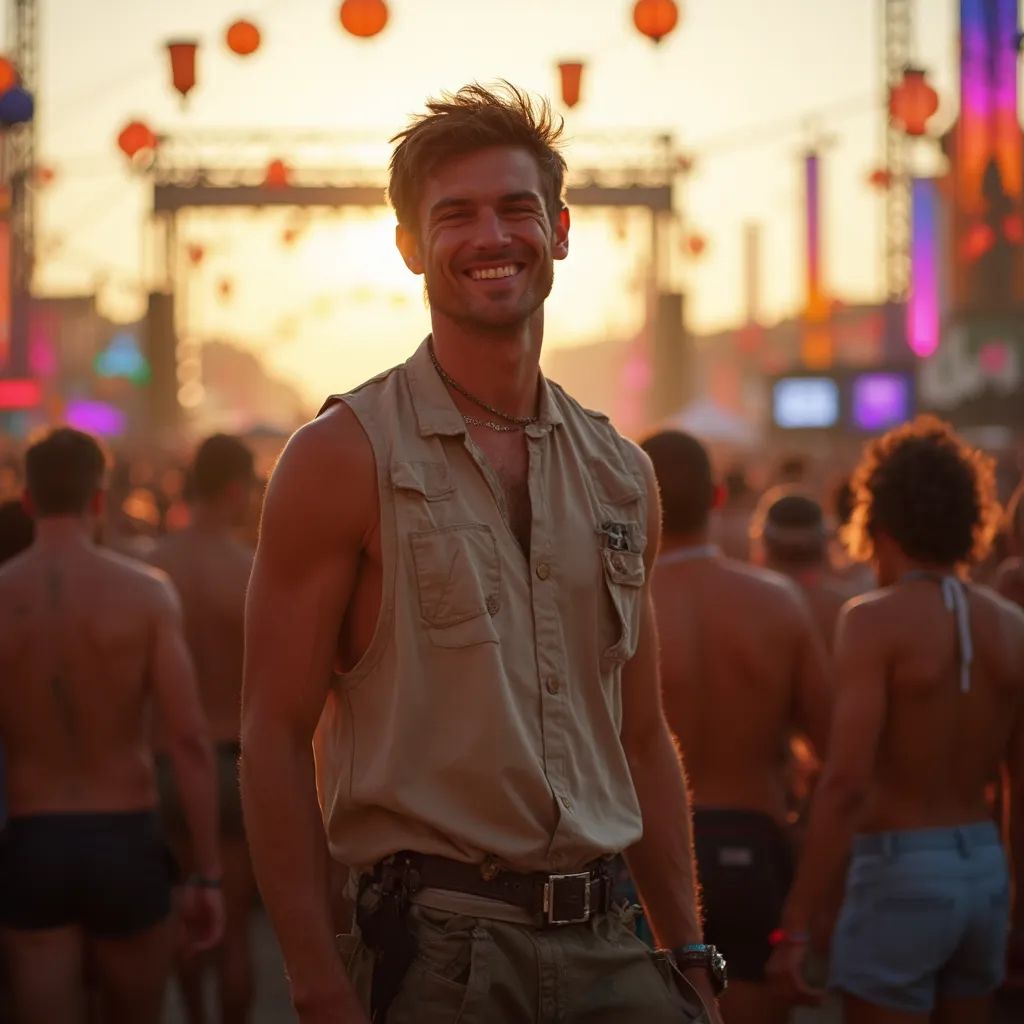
(488, 273)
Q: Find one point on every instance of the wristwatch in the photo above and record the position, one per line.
(698, 954)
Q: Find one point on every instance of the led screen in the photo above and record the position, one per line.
(805, 403)
(881, 400)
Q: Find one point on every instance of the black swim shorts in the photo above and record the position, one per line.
(745, 862)
(109, 873)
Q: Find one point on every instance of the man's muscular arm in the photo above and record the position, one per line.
(662, 862)
(320, 504)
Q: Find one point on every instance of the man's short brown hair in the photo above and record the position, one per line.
(472, 119)
(63, 470)
(928, 490)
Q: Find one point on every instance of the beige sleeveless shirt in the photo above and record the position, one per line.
(484, 718)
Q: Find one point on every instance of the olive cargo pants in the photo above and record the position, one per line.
(471, 970)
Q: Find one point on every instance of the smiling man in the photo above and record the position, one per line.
(469, 551)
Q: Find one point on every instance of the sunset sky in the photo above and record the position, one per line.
(740, 83)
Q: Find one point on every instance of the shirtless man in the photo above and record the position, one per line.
(930, 705)
(742, 666)
(788, 535)
(90, 643)
(209, 566)
(1009, 579)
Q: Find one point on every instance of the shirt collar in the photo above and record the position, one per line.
(436, 413)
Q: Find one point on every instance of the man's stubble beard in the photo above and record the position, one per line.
(483, 325)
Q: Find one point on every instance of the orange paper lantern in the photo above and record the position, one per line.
(243, 38)
(136, 137)
(363, 18)
(195, 253)
(183, 65)
(695, 245)
(912, 102)
(656, 18)
(225, 289)
(570, 73)
(8, 75)
(277, 175)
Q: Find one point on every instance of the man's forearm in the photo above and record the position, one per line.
(195, 775)
(290, 860)
(662, 862)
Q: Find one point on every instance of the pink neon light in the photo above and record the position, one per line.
(923, 307)
(988, 126)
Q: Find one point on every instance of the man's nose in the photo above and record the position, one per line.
(491, 230)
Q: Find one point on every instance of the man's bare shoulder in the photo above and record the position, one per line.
(327, 449)
(325, 482)
(761, 584)
(131, 573)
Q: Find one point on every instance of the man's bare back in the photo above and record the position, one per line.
(210, 571)
(741, 663)
(940, 747)
(77, 630)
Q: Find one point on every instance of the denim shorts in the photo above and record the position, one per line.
(925, 915)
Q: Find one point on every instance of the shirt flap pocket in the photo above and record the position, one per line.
(615, 485)
(625, 567)
(431, 479)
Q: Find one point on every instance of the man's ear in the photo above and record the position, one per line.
(560, 247)
(28, 504)
(719, 496)
(409, 246)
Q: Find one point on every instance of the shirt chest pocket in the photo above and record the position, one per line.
(456, 565)
(621, 535)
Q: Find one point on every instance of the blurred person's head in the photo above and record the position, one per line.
(683, 470)
(922, 496)
(16, 529)
(788, 530)
(64, 475)
(476, 184)
(1015, 521)
(222, 478)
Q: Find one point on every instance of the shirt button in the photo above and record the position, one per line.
(543, 571)
(493, 604)
(552, 685)
(566, 803)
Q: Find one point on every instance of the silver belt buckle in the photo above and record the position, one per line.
(550, 887)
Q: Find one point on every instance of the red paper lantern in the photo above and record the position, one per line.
(912, 102)
(363, 18)
(8, 75)
(880, 178)
(977, 241)
(243, 38)
(278, 174)
(43, 176)
(136, 137)
(183, 65)
(195, 253)
(289, 237)
(570, 73)
(656, 18)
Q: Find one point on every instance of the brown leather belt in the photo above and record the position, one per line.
(556, 899)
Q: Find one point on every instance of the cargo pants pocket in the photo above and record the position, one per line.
(449, 979)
